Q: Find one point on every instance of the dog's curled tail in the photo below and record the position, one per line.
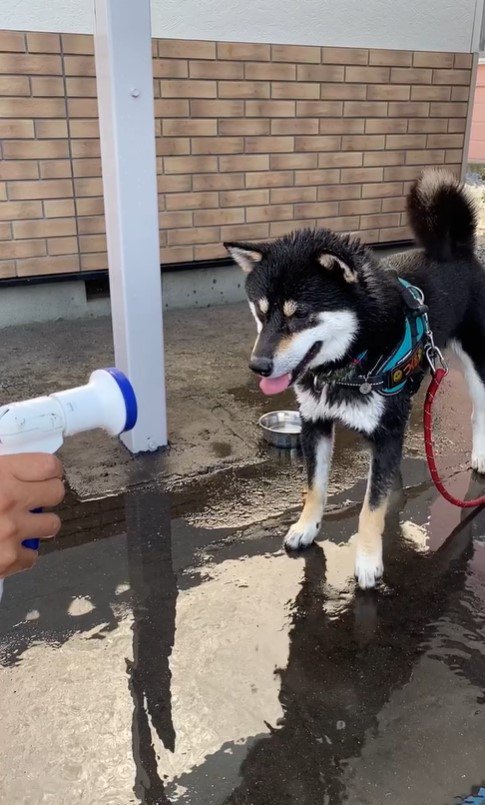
(442, 216)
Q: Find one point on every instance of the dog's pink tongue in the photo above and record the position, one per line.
(274, 385)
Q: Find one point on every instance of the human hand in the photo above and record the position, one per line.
(27, 481)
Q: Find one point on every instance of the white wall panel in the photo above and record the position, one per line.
(402, 24)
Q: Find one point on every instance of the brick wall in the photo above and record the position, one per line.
(252, 141)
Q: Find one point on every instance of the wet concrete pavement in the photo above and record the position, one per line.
(211, 398)
(166, 650)
(162, 653)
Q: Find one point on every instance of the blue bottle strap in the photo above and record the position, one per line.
(32, 543)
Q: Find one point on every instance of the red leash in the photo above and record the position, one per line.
(437, 378)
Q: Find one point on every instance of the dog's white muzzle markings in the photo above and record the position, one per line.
(335, 329)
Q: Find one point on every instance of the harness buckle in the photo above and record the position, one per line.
(414, 299)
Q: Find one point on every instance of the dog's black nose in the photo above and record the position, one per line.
(262, 366)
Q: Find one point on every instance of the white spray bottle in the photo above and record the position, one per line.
(40, 425)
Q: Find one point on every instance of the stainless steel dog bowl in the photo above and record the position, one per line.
(281, 428)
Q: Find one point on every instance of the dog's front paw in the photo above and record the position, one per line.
(300, 535)
(478, 463)
(368, 569)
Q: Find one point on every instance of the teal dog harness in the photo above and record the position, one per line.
(478, 799)
(392, 373)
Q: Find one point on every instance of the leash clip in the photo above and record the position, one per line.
(433, 353)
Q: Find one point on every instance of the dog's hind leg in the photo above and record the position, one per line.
(386, 459)
(471, 352)
(317, 443)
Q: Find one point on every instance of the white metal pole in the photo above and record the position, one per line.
(123, 52)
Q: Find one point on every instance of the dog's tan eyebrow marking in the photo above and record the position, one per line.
(290, 307)
(327, 260)
(263, 305)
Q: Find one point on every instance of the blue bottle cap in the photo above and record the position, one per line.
(128, 395)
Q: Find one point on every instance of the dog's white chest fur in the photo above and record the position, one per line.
(363, 415)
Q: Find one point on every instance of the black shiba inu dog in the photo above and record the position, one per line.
(348, 331)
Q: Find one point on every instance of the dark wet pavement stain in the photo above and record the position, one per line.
(221, 449)
(250, 395)
(174, 653)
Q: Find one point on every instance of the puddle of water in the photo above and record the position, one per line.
(177, 654)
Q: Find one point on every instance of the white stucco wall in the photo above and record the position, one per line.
(401, 24)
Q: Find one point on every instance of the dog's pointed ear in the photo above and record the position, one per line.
(333, 263)
(246, 255)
